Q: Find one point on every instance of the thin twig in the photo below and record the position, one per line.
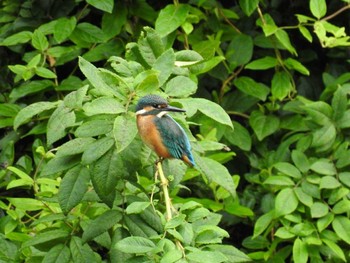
(164, 183)
(336, 13)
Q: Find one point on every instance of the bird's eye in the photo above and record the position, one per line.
(155, 106)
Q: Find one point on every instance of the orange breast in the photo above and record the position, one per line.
(150, 135)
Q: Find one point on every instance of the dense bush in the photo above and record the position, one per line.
(265, 86)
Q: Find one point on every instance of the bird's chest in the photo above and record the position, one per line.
(151, 136)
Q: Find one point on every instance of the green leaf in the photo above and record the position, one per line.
(73, 187)
(239, 136)
(209, 256)
(279, 180)
(124, 131)
(318, 210)
(59, 121)
(170, 18)
(300, 253)
(75, 146)
(283, 38)
(64, 28)
(325, 221)
(18, 38)
(300, 160)
(165, 64)
(296, 65)
(150, 46)
(92, 74)
(80, 253)
(335, 248)
(85, 34)
(343, 206)
(318, 8)
(112, 23)
(94, 128)
(323, 166)
(104, 5)
(288, 169)
(30, 111)
(215, 172)
(344, 177)
(263, 223)
(323, 139)
(262, 63)
(240, 50)
(59, 164)
(26, 204)
(30, 87)
(306, 33)
(263, 125)
(249, 86)
(39, 40)
(103, 105)
(58, 253)
(329, 182)
(101, 224)
(341, 226)
(303, 197)
(45, 73)
(47, 236)
(135, 245)
(233, 254)
(286, 202)
(207, 107)
(339, 103)
(248, 6)
(281, 85)
(180, 86)
(137, 207)
(96, 150)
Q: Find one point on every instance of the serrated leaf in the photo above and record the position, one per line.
(165, 64)
(286, 202)
(96, 150)
(249, 86)
(170, 18)
(26, 204)
(103, 105)
(30, 88)
(209, 256)
(94, 128)
(180, 86)
(30, 111)
(59, 164)
(150, 46)
(124, 131)
(263, 125)
(137, 207)
(135, 245)
(59, 121)
(101, 224)
(80, 253)
(73, 187)
(215, 172)
(58, 253)
(44, 237)
(75, 146)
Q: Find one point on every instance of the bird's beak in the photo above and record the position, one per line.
(174, 109)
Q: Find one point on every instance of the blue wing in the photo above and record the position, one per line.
(174, 138)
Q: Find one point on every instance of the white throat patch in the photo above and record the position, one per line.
(161, 114)
(139, 112)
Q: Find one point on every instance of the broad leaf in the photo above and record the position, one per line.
(300, 253)
(249, 86)
(286, 202)
(124, 131)
(170, 18)
(135, 245)
(263, 125)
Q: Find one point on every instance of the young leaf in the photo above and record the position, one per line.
(30, 111)
(263, 125)
(135, 245)
(296, 65)
(45, 73)
(170, 18)
(124, 131)
(248, 6)
(101, 224)
(262, 63)
(263, 222)
(18, 38)
(286, 202)
(73, 187)
(318, 8)
(283, 38)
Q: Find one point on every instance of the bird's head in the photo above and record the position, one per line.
(154, 105)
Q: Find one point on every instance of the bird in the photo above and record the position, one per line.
(161, 132)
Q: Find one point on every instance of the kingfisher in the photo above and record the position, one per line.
(161, 132)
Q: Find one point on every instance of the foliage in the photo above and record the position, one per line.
(78, 184)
